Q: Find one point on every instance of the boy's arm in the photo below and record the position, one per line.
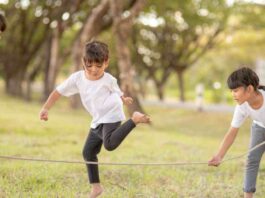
(115, 88)
(225, 145)
(53, 97)
(126, 100)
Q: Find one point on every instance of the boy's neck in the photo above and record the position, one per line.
(91, 77)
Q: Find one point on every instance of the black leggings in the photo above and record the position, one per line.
(111, 135)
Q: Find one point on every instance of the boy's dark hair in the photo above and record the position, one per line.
(96, 51)
(244, 77)
(2, 23)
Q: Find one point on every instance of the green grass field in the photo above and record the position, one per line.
(175, 136)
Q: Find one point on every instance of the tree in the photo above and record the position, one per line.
(122, 27)
(187, 30)
(21, 46)
(249, 15)
(152, 59)
(96, 21)
(30, 24)
(56, 57)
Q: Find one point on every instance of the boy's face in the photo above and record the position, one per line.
(241, 94)
(94, 71)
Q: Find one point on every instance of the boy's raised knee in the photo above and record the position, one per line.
(109, 147)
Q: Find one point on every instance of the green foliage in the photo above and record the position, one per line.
(241, 48)
(184, 31)
(250, 15)
(171, 41)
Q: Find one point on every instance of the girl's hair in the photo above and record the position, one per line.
(96, 51)
(244, 77)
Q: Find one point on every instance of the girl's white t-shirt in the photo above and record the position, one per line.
(244, 110)
(101, 98)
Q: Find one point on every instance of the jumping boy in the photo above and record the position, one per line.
(103, 99)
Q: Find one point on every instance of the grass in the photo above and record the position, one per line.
(175, 136)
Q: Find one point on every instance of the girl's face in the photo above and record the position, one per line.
(94, 71)
(241, 94)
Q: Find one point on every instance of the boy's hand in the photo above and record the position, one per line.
(44, 114)
(127, 100)
(215, 161)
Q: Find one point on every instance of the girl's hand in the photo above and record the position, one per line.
(44, 114)
(127, 100)
(215, 161)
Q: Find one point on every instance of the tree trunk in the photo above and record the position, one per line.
(122, 32)
(47, 59)
(13, 84)
(181, 85)
(127, 74)
(91, 28)
(160, 92)
(54, 60)
(31, 77)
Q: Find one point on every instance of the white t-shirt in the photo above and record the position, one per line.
(244, 110)
(101, 98)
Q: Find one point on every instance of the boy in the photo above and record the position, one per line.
(102, 98)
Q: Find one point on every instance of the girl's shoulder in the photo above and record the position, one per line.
(242, 108)
(238, 106)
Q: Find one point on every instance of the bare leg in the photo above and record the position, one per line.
(138, 117)
(248, 195)
(96, 190)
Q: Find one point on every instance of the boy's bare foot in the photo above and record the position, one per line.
(248, 195)
(96, 190)
(138, 117)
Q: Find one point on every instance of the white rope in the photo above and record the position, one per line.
(242, 155)
(126, 164)
(100, 163)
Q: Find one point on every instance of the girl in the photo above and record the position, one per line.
(250, 96)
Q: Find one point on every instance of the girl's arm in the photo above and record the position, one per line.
(225, 145)
(54, 96)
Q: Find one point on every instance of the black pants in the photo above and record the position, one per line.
(111, 135)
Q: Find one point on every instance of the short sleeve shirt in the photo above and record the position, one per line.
(101, 98)
(244, 110)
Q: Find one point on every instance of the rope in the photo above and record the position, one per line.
(242, 155)
(125, 164)
(100, 163)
